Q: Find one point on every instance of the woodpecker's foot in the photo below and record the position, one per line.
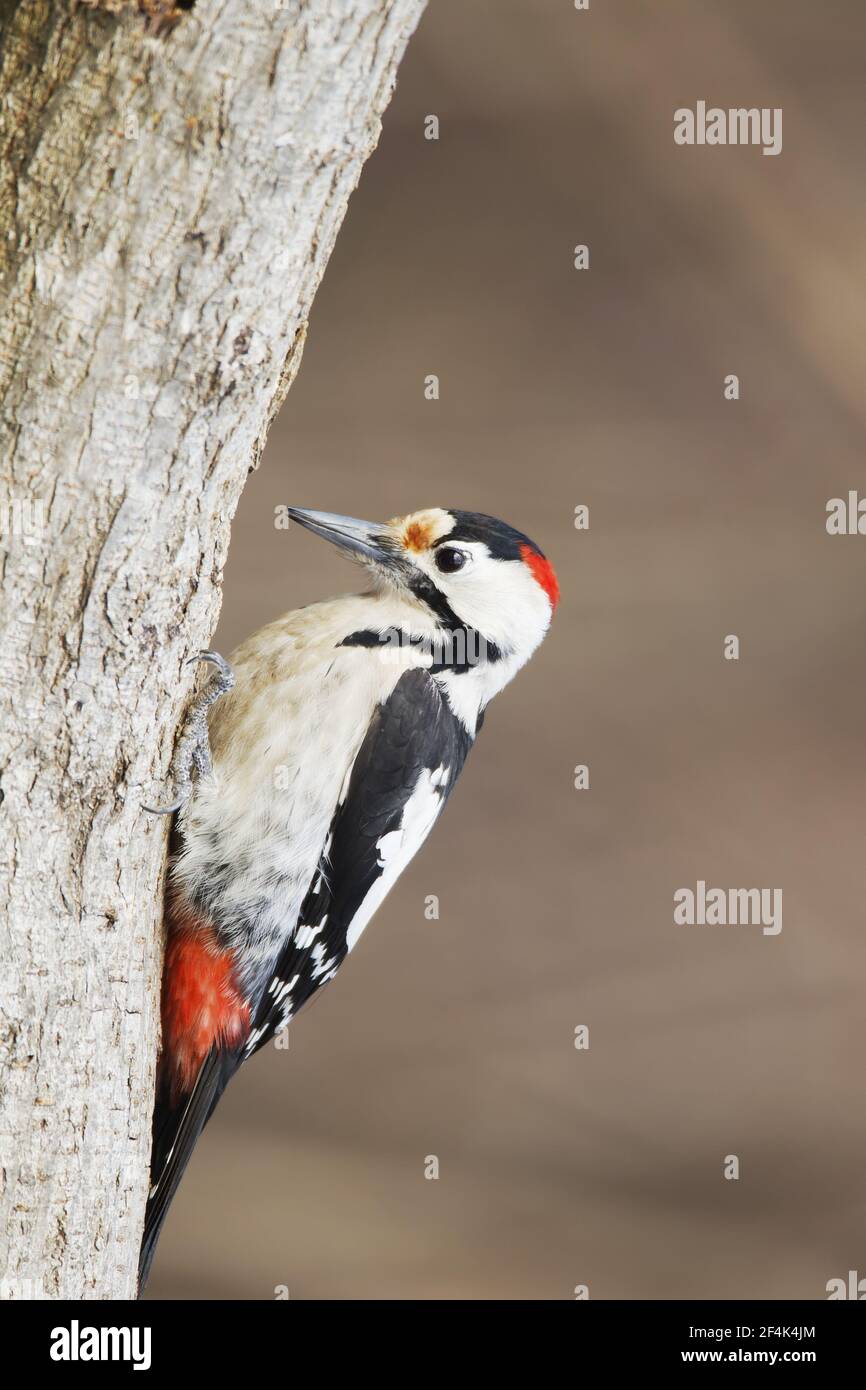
(192, 753)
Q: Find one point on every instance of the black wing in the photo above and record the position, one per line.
(404, 771)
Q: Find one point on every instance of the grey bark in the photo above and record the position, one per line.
(167, 207)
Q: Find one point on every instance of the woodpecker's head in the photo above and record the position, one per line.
(466, 569)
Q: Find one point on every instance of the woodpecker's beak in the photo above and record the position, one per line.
(366, 539)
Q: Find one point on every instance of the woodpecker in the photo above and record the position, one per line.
(309, 773)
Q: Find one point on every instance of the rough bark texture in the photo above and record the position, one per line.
(167, 207)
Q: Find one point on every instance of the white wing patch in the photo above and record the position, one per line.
(397, 847)
(324, 969)
(282, 994)
(305, 936)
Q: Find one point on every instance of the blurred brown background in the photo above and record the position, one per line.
(604, 387)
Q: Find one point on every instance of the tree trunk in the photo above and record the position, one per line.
(167, 208)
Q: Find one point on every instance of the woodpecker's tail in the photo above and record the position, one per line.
(176, 1128)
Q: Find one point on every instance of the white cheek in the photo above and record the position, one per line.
(504, 602)
(499, 598)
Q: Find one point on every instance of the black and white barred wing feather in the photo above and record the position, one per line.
(405, 769)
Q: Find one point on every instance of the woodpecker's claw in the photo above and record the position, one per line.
(193, 749)
(163, 810)
(215, 660)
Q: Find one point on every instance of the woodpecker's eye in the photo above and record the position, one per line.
(449, 559)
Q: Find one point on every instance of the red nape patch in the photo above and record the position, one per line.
(542, 572)
(201, 1004)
